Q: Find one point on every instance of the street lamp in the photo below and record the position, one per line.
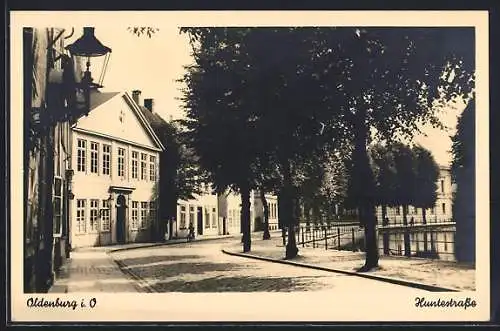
(88, 46)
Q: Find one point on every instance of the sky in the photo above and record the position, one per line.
(153, 65)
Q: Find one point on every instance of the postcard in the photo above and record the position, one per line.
(249, 166)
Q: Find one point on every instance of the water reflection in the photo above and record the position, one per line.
(437, 243)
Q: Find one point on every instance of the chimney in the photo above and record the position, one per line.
(136, 95)
(148, 103)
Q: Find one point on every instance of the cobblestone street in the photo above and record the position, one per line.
(202, 267)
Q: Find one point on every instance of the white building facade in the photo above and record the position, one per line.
(215, 215)
(440, 213)
(272, 203)
(202, 212)
(115, 183)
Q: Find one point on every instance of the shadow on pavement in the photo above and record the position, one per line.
(185, 273)
(138, 261)
(239, 284)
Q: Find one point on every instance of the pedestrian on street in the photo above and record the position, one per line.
(191, 232)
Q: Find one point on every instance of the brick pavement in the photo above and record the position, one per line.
(444, 274)
(202, 267)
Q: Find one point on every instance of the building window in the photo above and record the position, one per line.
(443, 206)
(57, 205)
(94, 155)
(433, 210)
(152, 212)
(207, 217)
(106, 159)
(135, 220)
(191, 215)
(80, 216)
(214, 217)
(143, 166)
(398, 212)
(182, 223)
(442, 185)
(135, 161)
(94, 211)
(121, 162)
(105, 216)
(144, 215)
(152, 168)
(229, 218)
(81, 155)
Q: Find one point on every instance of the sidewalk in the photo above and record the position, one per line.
(416, 272)
(91, 269)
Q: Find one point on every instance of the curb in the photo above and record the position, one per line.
(165, 244)
(395, 281)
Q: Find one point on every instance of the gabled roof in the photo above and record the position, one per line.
(140, 114)
(97, 98)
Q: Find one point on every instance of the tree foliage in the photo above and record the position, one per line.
(426, 176)
(180, 176)
(385, 174)
(143, 30)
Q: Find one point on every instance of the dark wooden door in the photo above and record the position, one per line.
(120, 219)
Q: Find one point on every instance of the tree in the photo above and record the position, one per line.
(427, 173)
(220, 123)
(390, 80)
(405, 164)
(180, 176)
(290, 104)
(385, 176)
(463, 174)
(268, 178)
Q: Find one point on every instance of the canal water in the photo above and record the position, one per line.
(429, 242)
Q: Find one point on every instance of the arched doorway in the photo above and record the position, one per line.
(120, 218)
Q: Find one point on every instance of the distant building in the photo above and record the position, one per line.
(441, 212)
(272, 203)
(230, 211)
(201, 212)
(115, 182)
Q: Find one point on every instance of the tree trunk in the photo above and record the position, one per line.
(245, 218)
(385, 234)
(266, 234)
(406, 232)
(289, 211)
(371, 247)
(363, 183)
